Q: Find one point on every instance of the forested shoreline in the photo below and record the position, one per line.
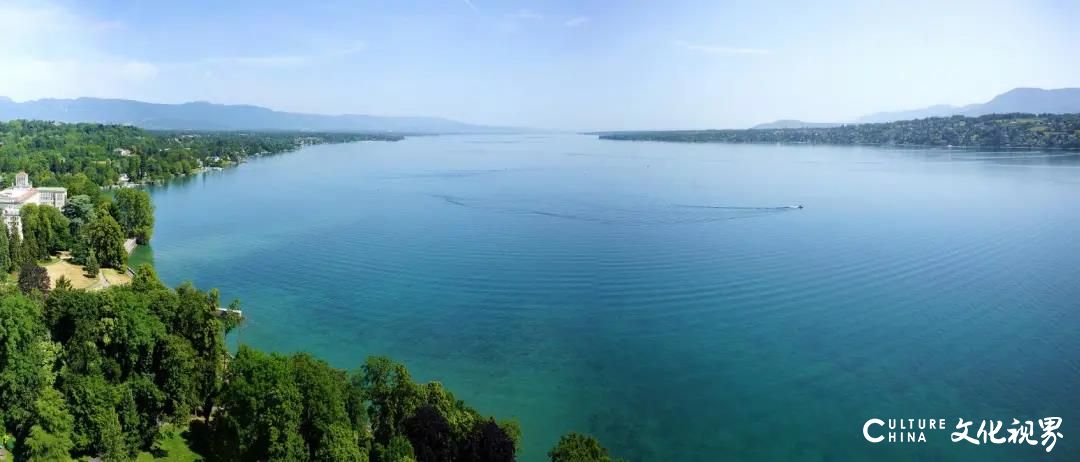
(117, 372)
(142, 372)
(59, 154)
(1035, 131)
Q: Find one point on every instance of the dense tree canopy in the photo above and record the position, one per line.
(100, 373)
(5, 251)
(129, 364)
(105, 239)
(488, 442)
(429, 434)
(17, 253)
(45, 230)
(135, 213)
(989, 131)
(575, 447)
(84, 156)
(24, 349)
(260, 417)
(80, 210)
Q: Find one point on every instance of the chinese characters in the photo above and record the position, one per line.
(989, 432)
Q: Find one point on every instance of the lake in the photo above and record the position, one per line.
(669, 299)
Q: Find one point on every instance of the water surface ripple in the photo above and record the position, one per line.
(668, 298)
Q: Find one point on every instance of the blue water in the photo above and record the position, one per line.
(665, 297)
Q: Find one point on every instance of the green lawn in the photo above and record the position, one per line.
(173, 449)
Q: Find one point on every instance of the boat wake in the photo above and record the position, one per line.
(595, 213)
(453, 200)
(726, 207)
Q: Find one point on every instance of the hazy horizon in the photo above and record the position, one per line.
(550, 65)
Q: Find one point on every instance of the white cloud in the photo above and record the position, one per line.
(576, 21)
(471, 6)
(50, 52)
(719, 50)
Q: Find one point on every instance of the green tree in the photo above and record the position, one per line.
(5, 249)
(94, 403)
(80, 211)
(33, 247)
(488, 442)
(146, 279)
(50, 437)
(175, 373)
(63, 283)
(260, 410)
(151, 371)
(92, 267)
(513, 430)
(461, 418)
(45, 230)
(142, 409)
(135, 213)
(18, 253)
(325, 425)
(430, 435)
(129, 337)
(576, 447)
(192, 315)
(339, 443)
(23, 339)
(398, 449)
(80, 249)
(106, 239)
(33, 277)
(392, 395)
(81, 185)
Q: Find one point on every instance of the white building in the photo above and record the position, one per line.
(21, 193)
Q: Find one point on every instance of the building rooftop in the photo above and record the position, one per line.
(14, 195)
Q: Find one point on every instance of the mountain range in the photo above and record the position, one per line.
(792, 123)
(210, 116)
(1032, 100)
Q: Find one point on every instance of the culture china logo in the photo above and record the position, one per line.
(1044, 432)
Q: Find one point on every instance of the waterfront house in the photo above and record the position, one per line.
(22, 192)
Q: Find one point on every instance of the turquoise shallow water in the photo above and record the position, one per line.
(663, 296)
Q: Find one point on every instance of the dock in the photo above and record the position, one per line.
(229, 311)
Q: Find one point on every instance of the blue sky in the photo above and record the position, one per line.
(552, 64)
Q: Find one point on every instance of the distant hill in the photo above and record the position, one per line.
(940, 110)
(1015, 130)
(210, 116)
(1027, 100)
(791, 123)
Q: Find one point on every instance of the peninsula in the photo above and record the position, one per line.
(1035, 131)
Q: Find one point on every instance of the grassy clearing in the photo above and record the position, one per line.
(116, 277)
(62, 266)
(173, 448)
